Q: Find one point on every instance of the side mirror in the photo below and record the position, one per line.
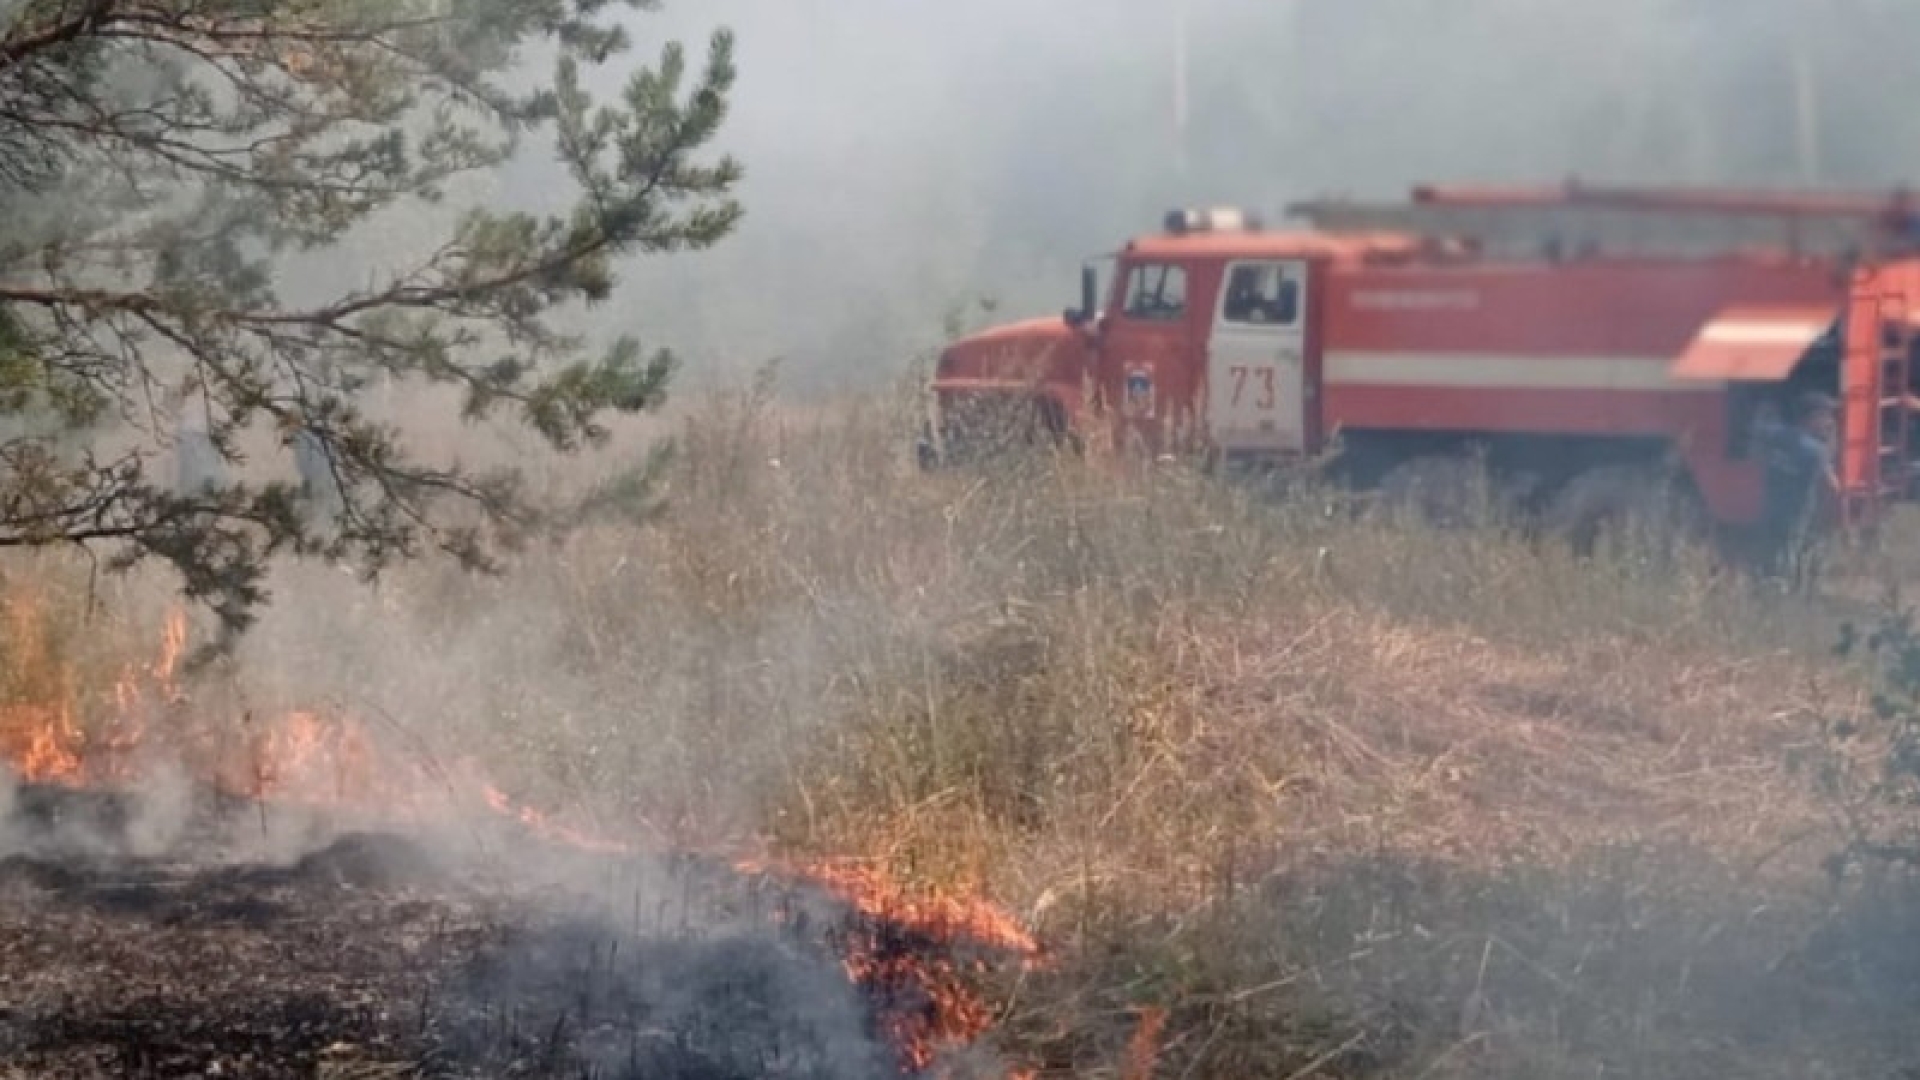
(1089, 300)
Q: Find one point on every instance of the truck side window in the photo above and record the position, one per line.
(1262, 296)
(1157, 292)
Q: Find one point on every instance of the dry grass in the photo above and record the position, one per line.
(1341, 797)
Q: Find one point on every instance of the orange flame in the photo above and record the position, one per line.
(41, 743)
(877, 960)
(547, 829)
(874, 894)
(302, 755)
(312, 758)
(39, 735)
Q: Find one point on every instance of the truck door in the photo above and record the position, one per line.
(1147, 356)
(1256, 359)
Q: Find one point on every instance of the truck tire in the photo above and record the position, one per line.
(1053, 428)
(1637, 503)
(1447, 490)
(926, 451)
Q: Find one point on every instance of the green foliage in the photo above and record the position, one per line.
(165, 158)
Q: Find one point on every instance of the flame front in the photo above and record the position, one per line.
(39, 734)
(936, 1008)
(40, 742)
(548, 829)
(300, 756)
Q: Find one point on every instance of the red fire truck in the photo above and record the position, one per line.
(1576, 343)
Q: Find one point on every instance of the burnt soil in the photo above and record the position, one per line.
(378, 954)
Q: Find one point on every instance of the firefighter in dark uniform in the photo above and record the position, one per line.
(1800, 477)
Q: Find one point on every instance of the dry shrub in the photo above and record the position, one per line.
(1320, 787)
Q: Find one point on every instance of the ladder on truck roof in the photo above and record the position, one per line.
(1876, 439)
(1571, 221)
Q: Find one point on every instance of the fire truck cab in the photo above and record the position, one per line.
(1574, 341)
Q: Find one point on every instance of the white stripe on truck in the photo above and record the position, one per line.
(1797, 335)
(1481, 371)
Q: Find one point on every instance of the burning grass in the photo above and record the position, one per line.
(485, 954)
(914, 958)
(1279, 792)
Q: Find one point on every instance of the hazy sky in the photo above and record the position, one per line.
(904, 156)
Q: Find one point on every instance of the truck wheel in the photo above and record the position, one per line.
(1631, 503)
(926, 451)
(1052, 429)
(1448, 490)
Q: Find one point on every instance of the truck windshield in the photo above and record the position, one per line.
(1156, 292)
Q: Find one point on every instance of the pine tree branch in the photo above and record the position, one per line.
(188, 142)
(16, 49)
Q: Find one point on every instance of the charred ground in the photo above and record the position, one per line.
(406, 954)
